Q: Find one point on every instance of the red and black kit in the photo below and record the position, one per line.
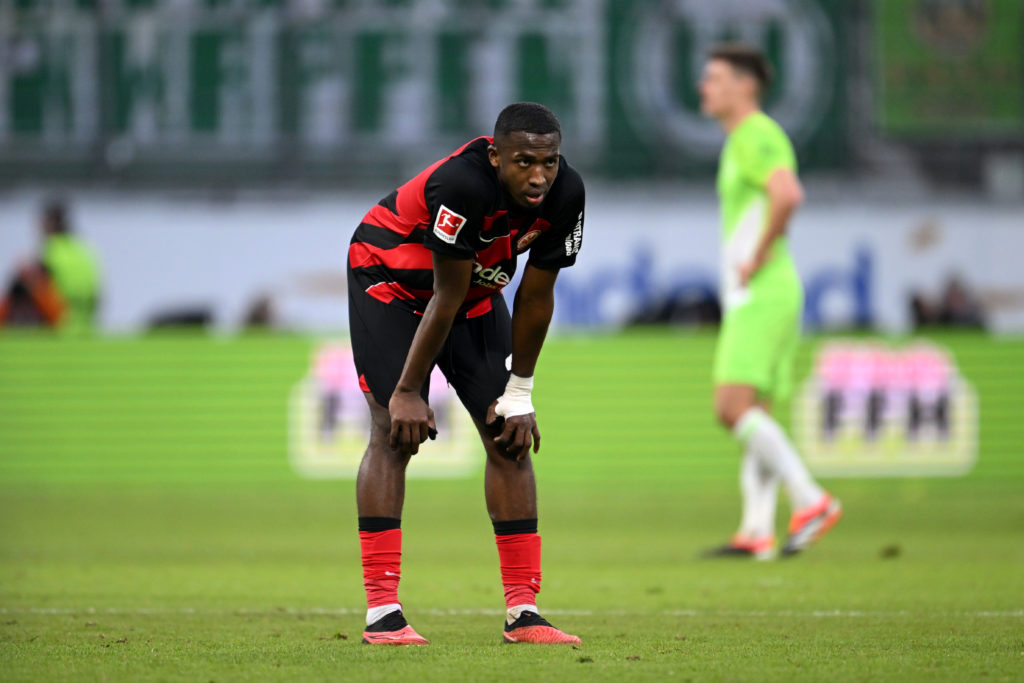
(455, 207)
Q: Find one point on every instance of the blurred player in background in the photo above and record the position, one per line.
(762, 300)
(426, 268)
(60, 288)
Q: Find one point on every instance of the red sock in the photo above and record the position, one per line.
(382, 565)
(519, 555)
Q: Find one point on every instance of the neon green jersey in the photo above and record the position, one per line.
(754, 150)
(76, 274)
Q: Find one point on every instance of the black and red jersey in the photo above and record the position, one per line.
(457, 207)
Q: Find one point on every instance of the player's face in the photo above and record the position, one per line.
(721, 88)
(527, 164)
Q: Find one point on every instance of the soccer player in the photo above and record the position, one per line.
(762, 301)
(425, 272)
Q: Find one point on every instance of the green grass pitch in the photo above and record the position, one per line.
(151, 529)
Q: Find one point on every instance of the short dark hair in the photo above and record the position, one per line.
(746, 59)
(527, 117)
(56, 216)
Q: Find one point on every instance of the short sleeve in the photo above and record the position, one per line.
(763, 152)
(455, 200)
(558, 246)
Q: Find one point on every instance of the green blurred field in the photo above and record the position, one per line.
(152, 530)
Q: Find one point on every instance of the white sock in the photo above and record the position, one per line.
(765, 437)
(760, 491)
(514, 612)
(376, 613)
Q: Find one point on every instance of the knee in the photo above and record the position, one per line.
(729, 411)
(380, 420)
(497, 458)
(380, 425)
(380, 442)
(726, 415)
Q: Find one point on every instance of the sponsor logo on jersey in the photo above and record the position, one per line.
(527, 239)
(574, 240)
(491, 277)
(448, 224)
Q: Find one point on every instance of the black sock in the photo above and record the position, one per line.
(515, 526)
(372, 524)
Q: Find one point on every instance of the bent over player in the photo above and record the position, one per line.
(425, 272)
(762, 302)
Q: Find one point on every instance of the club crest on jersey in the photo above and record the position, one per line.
(527, 239)
(448, 225)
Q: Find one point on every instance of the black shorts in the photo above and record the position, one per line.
(474, 358)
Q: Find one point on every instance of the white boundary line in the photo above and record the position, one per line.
(349, 611)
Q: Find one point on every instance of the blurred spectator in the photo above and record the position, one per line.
(956, 306)
(31, 299)
(959, 307)
(921, 310)
(61, 287)
(184, 317)
(686, 306)
(260, 314)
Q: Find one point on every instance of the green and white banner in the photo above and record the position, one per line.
(304, 84)
(950, 67)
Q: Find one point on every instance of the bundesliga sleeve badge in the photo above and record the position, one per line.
(448, 224)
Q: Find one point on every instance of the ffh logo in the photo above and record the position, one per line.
(448, 224)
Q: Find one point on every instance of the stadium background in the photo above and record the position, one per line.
(217, 155)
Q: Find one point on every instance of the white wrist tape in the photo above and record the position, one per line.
(516, 399)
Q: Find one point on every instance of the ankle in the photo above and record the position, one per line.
(375, 614)
(514, 613)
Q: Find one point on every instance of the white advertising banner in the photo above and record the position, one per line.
(859, 261)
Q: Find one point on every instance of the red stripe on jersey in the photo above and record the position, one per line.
(421, 294)
(489, 220)
(480, 308)
(499, 250)
(382, 217)
(363, 385)
(388, 292)
(404, 256)
(402, 274)
(411, 201)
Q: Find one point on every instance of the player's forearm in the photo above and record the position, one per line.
(779, 214)
(785, 195)
(451, 282)
(530, 320)
(427, 342)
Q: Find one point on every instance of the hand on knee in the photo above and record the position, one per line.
(499, 457)
(380, 447)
